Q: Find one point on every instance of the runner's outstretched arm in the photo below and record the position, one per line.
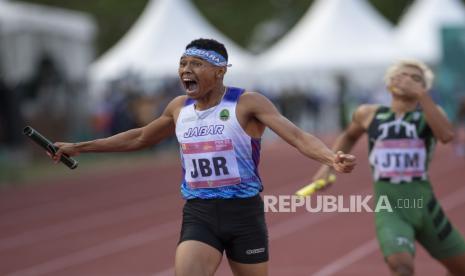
(130, 140)
(264, 111)
(349, 137)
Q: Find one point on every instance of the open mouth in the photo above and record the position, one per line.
(190, 85)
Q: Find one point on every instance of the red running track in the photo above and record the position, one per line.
(127, 222)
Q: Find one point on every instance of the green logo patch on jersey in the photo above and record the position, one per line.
(224, 115)
(383, 116)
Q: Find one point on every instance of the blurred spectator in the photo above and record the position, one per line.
(46, 103)
(342, 100)
(292, 105)
(123, 115)
(11, 119)
(146, 108)
(460, 129)
(313, 107)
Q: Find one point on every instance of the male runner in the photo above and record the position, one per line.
(219, 130)
(401, 142)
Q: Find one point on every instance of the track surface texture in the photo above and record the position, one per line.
(127, 221)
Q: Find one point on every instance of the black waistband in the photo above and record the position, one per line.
(252, 198)
(388, 179)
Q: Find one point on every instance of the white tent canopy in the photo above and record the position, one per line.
(155, 43)
(419, 29)
(29, 32)
(17, 16)
(333, 36)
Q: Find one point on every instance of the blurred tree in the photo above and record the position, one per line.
(238, 19)
(113, 18)
(392, 10)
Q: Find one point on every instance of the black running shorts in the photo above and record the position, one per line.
(236, 226)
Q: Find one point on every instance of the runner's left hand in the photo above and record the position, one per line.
(344, 163)
(408, 86)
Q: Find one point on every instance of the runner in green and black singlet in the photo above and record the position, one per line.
(400, 148)
(401, 142)
(399, 152)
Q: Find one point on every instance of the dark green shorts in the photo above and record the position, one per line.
(416, 215)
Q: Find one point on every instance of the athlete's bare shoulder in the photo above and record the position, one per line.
(254, 103)
(177, 102)
(367, 109)
(250, 99)
(251, 95)
(174, 107)
(364, 114)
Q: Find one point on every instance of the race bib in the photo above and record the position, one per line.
(210, 164)
(400, 158)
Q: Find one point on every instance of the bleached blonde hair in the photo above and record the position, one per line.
(427, 73)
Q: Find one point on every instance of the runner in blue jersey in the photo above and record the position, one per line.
(218, 129)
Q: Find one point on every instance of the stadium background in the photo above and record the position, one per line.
(119, 213)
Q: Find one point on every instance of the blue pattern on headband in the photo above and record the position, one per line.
(207, 55)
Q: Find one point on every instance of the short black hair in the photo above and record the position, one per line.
(209, 44)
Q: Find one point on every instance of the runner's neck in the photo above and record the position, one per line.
(210, 100)
(400, 107)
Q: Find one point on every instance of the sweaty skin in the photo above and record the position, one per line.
(254, 112)
(203, 82)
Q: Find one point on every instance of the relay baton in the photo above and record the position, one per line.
(40, 140)
(316, 185)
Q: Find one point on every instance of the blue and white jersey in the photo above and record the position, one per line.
(219, 159)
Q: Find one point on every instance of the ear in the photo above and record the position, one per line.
(220, 72)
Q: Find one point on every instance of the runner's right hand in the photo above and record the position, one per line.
(64, 148)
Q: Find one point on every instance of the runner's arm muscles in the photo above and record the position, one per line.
(437, 120)
(361, 119)
(265, 112)
(137, 138)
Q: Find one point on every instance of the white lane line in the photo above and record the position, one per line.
(348, 259)
(299, 222)
(167, 272)
(451, 201)
(89, 254)
(278, 230)
(77, 225)
(286, 227)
